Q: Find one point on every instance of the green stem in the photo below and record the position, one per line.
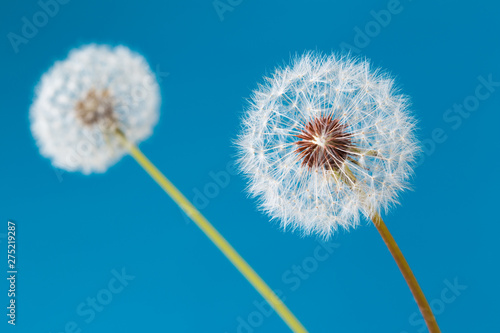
(348, 177)
(405, 269)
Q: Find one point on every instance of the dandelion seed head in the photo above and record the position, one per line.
(81, 100)
(325, 141)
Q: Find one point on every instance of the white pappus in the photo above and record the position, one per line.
(82, 99)
(325, 140)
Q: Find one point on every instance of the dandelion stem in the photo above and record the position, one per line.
(348, 177)
(405, 269)
(219, 241)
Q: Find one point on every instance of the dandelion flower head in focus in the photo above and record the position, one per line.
(327, 140)
(81, 101)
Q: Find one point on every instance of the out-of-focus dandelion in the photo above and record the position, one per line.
(93, 108)
(326, 140)
(81, 101)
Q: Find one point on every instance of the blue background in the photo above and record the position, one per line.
(73, 230)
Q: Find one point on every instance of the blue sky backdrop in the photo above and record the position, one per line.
(119, 239)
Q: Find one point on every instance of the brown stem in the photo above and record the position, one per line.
(405, 269)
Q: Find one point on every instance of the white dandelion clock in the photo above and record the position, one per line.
(83, 99)
(313, 124)
(326, 140)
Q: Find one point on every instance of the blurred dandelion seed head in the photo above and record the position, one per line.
(96, 108)
(326, 140)
(82, 99)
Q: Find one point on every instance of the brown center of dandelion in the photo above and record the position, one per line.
(324, 143)
(96, 108)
